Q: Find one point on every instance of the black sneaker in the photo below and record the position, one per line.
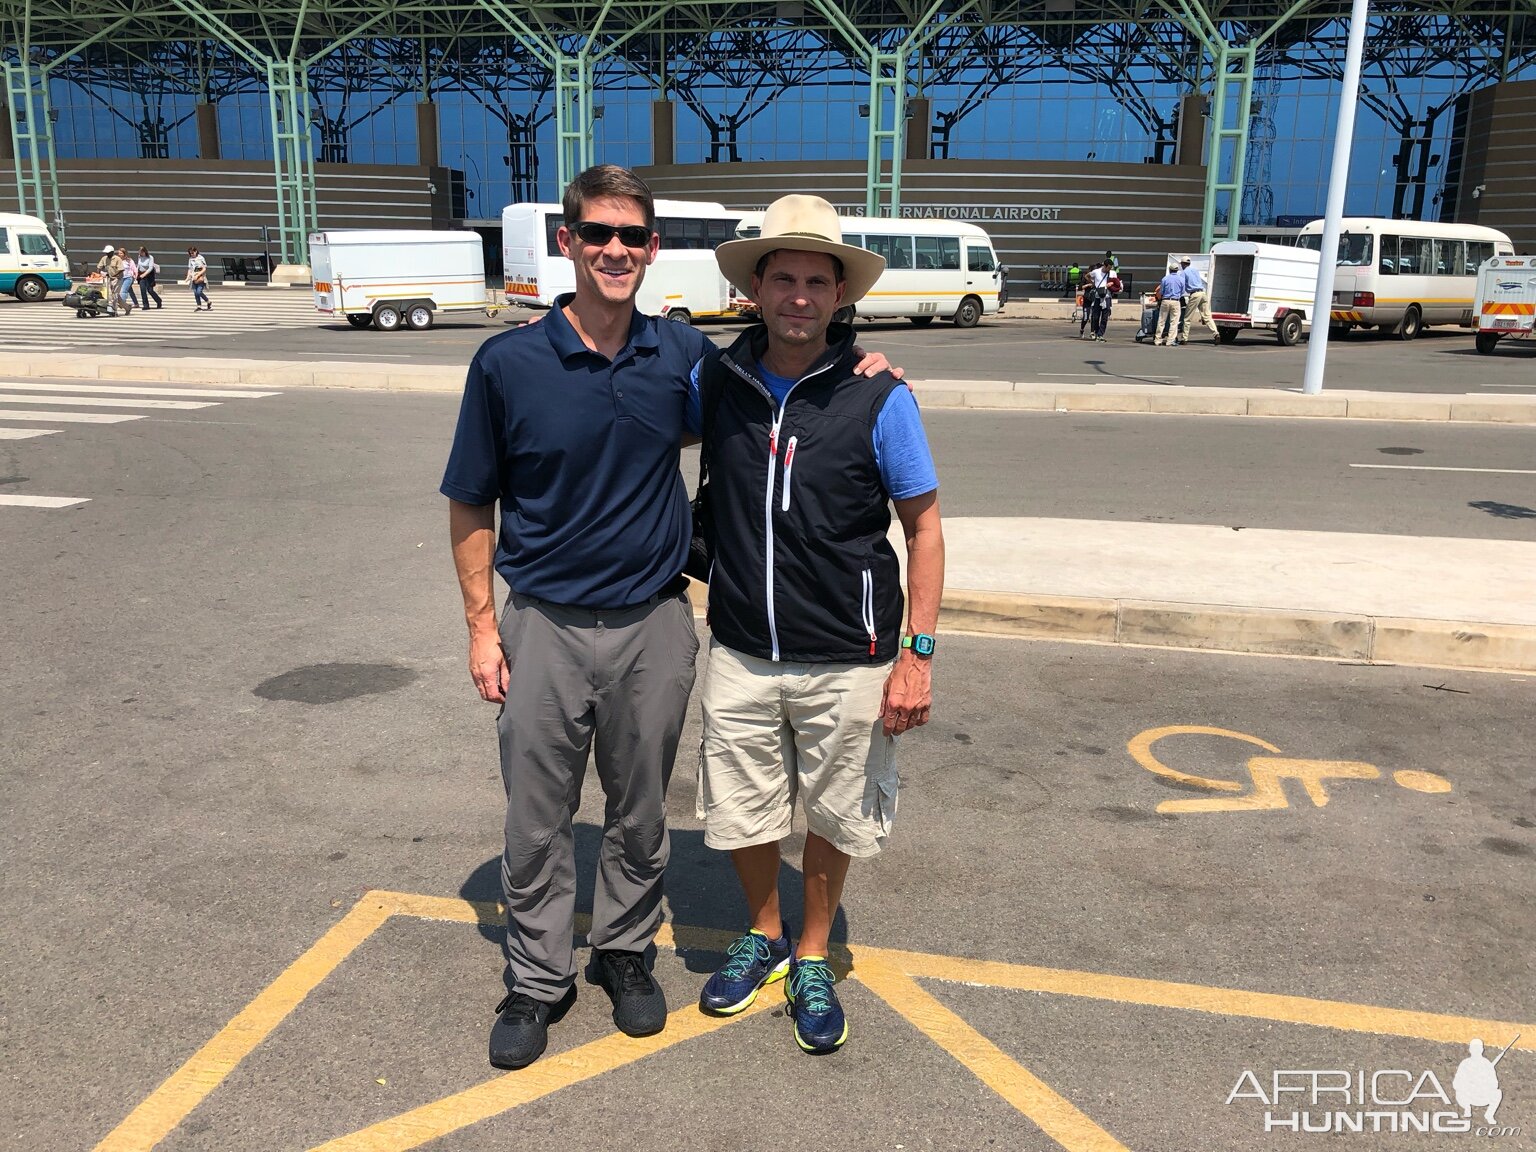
(639, 1007)
(522, 1027)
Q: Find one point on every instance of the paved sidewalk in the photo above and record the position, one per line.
(1342, 595)
(1023, 393)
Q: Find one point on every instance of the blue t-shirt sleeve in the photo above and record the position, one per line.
(901, 447)
(473, 475)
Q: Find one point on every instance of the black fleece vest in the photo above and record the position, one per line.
(803, 571)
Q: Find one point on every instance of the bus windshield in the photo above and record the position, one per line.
(1354, 250)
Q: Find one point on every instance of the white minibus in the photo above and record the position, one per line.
(31, 261)
(683, 284)
(933, 268)
(1403, 275)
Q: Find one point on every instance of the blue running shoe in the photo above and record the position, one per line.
(752, 961)
(820, 1026)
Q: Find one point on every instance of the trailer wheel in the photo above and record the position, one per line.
(29, 290)
(1227, 335)
(359, 319)
(386, 318)
(1486, 341)
(1412, 323)
(921, 321)
(1289, 330)
(680, 315)
(418, 317)
(968, 315)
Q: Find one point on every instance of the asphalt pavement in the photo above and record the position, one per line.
(252, 804)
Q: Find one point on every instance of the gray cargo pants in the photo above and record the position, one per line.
(613, 682)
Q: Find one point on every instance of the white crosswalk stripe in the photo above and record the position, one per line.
(106, 401)
(48, 327)
(14, 501)
(64, 404)
(137, 390)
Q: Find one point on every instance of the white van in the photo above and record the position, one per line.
(32, 262)
(389, 278)
(933, 268)
(1506, 301)
(683, 283)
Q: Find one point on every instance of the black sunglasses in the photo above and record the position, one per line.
(598, 235)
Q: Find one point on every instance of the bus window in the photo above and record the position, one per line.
(897, 250)
(1479, 252)
(34, 244)
(938, 252)
(1355, 251)
(1388, 256)
(1448, 256)
(979, 259)
(552, 224)
(1415, 256)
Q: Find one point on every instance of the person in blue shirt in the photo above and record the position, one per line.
(811, 675)
(1197, 308)
(1170, 295)
(573, 427)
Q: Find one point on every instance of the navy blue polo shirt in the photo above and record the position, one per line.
(582, 453)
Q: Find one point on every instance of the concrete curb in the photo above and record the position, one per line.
(934, 394)
(1228, 628)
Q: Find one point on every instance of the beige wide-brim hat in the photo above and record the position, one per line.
(801, 224)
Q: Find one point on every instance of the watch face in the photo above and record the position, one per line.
(922, 644)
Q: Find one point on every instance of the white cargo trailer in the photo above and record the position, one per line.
(1506, 300)
(390, 278)
(1254, 285)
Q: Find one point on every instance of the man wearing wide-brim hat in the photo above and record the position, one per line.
(811, 675)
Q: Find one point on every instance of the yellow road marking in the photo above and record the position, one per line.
(1140, 748)
(887, 972)
(549, 1074)
(1338, 1014)
(1052, 1112)
(169, 1104)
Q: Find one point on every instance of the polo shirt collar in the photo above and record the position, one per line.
(568, 345)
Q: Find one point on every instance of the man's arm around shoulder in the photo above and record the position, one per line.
(472, 529)
(909, 689)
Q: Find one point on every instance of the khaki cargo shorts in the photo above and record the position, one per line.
(778, 732)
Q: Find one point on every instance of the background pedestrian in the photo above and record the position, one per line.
(148, 271)
(197, 277)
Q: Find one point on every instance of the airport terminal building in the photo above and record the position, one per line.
(1065, 128)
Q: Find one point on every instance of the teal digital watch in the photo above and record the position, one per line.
(921, 644)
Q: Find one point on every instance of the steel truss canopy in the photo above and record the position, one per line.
(295, 50)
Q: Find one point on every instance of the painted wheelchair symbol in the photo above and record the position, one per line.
(1268, 774)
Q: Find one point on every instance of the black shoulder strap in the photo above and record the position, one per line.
(709, 405)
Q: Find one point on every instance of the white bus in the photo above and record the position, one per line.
(1403, 275)
(683, 284)
(933, 268)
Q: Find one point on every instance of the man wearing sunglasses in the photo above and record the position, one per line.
(573, 426)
